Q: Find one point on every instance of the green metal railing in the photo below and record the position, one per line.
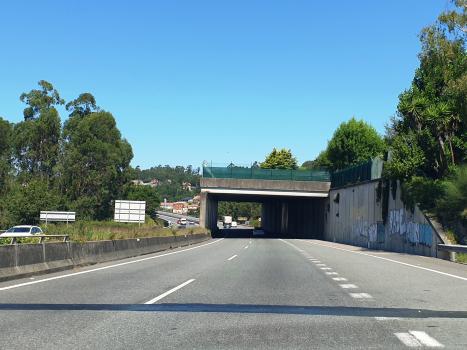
(266, 174)
(362, 172)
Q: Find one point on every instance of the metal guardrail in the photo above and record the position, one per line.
(13, 241)
(453, 248)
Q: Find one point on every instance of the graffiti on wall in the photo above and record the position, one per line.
(381, 232)
(373, 232)
(396, 222)
(426, 235)
(415, 233)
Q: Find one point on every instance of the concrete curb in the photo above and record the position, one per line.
(24, 260)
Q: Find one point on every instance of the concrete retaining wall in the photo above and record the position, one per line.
(23, 260)
(357, 220)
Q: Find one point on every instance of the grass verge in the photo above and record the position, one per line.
(109, 230)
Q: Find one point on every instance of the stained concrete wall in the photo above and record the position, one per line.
(301, 218)
(276, 185)
(23, 260)
(208, 211)
(356, 219)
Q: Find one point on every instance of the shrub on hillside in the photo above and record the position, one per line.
(453, 204)
(421, 191)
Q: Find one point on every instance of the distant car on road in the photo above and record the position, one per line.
(234, 224)
(192, 222)
(179, 222)
(23, 230)
(183, 221)
(258, 232)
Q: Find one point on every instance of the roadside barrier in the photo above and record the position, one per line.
(24, 260)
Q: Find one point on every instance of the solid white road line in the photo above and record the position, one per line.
(232, 257)
(388, 318)
(152, 301)
(408, 340)
(105, 267)
(379, 257)
(426, 340)
(361, 295)
(348, 286)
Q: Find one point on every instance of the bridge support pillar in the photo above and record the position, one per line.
(208, 212)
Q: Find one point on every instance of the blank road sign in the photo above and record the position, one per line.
(130, 211)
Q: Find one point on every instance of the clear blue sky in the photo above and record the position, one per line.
(217, 80)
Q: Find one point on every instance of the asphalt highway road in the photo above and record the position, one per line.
(241, 292)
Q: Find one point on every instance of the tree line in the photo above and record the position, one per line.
(80, 165)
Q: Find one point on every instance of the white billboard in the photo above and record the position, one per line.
(130, 211)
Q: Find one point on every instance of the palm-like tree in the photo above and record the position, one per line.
(415, 109)
(444, 122)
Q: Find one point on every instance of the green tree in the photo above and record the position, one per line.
(144, 193)
(24, 201)
(36, 144)
(352, 143)
(282, 159)
(5, 153)
(436, 103)
(40, 100)
(96, 165)
(80, 108)
(407, 158)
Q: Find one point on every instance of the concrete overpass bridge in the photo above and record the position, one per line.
(289, 206)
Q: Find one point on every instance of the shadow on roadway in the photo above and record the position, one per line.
(244, 233)
(244, 309)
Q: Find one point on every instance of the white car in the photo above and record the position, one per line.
(234, 224)
(258, 232)
(183, 221)
(23, 231)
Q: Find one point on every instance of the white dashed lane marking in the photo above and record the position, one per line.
(361, 295)
(416, 339)
(344, 286)
(232, 257)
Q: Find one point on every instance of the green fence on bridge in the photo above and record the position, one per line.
(266, 174)
(362, 172)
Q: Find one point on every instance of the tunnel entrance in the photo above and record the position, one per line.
(288, 208)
